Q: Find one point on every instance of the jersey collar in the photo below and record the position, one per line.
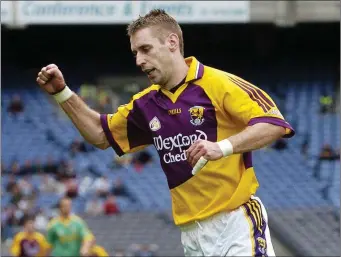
(196, 69)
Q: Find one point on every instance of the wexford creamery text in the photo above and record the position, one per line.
(175, 146)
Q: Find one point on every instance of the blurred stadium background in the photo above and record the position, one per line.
(289, 48)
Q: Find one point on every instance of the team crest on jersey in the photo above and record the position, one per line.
(197, 115)
(154, 124)
(261, 245)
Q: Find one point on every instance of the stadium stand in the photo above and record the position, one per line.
(300, 190)
(26, 137)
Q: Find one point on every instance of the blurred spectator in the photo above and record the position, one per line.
(71, 188)
(16, 195)
(102, 186)
(326, 103)
(66, 171)
(11, 183)
(41, 221)
(327, 153)
(37, 166)
(280, 144)
(120, 189)
(27, 168)
(78, 146)
(26, 187)
(110, 206)
(141, 159)
(143, 250)
(15, 168)
(49, 184)
(51, 166)
(3, 167)
(6, 222)
(94, 207)
(16, 105)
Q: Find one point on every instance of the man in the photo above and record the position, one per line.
(68, 235)
(204, 124)
(29, 242)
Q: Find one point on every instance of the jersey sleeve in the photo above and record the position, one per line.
(45, 246)
(99, 251)
(126, 130)
(250, 105)
(15, 246)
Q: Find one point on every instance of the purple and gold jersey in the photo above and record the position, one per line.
(211, 105)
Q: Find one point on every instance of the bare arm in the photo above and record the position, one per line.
(256, 137)
(86, 120)
(252, 138)
(86, 247)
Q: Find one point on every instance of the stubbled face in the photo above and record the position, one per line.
(65, 207)
(153, 56)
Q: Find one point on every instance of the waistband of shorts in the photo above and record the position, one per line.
(197, 223)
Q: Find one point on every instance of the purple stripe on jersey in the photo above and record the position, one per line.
(247, 158)
(249, 92)
(258, 235)
(260, 96)
(109, 136)
(200, 71)
(274, 121)
(138, 131)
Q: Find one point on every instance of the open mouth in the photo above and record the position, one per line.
(149, 71)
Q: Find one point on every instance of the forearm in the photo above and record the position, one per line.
(255, 137)
(86, 120)
(87, 245)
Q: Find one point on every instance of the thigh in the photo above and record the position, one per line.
(190, 244)
(252, 235)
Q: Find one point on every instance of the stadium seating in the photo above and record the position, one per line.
(288, 186)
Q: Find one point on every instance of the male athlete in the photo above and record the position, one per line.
(204, 123)
(68, 234)
(29, 242)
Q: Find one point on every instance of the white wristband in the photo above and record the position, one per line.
(63, 95)
(226, 147)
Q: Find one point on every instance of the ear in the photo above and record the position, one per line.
(173, 42)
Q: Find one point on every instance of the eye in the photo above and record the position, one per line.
(146, 49)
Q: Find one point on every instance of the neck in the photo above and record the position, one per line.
(180, 71)
(65, 216)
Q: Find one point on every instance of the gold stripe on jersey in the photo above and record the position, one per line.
(256, 212)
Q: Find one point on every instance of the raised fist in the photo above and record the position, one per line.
(51, 79)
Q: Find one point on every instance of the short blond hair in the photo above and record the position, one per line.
(158, 18)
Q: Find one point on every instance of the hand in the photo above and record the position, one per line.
(51, 79)
(210, 151)
(84, 252)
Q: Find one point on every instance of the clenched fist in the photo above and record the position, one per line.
(51, 79)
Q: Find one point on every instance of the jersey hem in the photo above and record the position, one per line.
(274, 121)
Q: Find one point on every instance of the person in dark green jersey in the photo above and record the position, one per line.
(68, 234)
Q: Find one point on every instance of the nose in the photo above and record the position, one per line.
(140, 60)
